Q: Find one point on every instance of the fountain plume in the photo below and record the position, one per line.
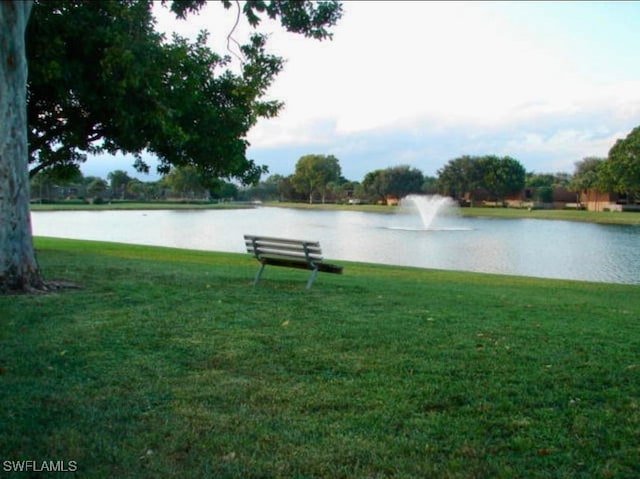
(429, 207)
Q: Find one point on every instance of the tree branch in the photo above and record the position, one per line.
(230, 35)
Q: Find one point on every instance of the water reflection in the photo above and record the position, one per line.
(550, 249)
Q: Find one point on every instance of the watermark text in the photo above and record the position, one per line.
(29, 465)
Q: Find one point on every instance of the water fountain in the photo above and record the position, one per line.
(429, 208)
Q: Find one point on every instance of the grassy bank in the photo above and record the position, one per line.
(602, 217)
(133, 205)
(168, 363)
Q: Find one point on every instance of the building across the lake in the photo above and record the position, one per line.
(594, 200)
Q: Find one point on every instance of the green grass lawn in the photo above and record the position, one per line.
(168, 363)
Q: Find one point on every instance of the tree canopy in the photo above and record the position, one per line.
(495, 175)
(103, 80)
(501, 176)
(588, 174)
(314, 173)
(459, 176)
(622, 168)
(397, 181)
(618, 173)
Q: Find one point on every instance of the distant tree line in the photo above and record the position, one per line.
(184, 183)
(486, 176)
(318, 178)
(464, 178)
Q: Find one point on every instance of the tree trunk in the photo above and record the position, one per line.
(18, 267)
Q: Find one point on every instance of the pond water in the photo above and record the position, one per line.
(525, 247)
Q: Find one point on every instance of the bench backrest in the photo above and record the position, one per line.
(264, 246)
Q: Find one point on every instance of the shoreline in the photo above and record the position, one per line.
(608, 217)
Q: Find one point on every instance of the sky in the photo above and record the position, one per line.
(420, 83)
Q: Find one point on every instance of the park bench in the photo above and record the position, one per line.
(290, 253)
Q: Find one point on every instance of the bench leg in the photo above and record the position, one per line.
(314, 272)
(259, 274)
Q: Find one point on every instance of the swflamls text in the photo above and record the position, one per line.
(39, 466)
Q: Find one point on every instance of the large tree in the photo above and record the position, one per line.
(496, 176)
(103, 80)
(375, 185)
(314, 173)
(459, 177)
(404, 180)
(587, 174)
(118, 180)
(397, 181)
(621, 171)
(18, 267)
(185, 181)
(501, 176)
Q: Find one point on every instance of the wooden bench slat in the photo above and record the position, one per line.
(270, 247)
(270, 239)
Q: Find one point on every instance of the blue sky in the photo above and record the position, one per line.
(421, 83)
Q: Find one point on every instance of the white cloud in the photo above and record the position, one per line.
(393, 64)
(395, 61)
